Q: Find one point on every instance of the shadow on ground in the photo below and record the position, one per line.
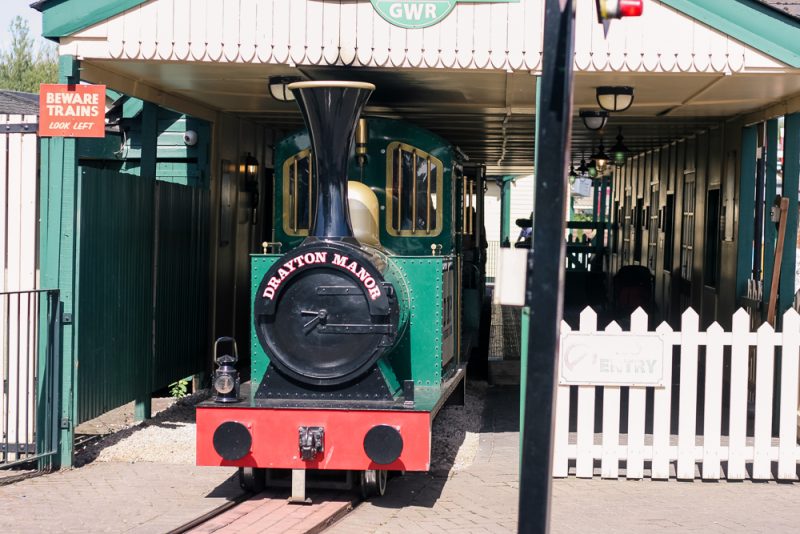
(500, 414)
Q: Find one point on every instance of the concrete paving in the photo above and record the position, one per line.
(115, 497)
(479, 497)
(483, 497)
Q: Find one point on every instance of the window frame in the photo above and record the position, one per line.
(286, 188)
(436, 230)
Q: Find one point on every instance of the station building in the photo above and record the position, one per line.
(147, 232)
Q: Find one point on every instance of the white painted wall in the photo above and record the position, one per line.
(19, 271)
(521, 206)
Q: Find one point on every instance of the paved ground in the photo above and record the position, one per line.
(479, 496)
(115, 497)
(483, 497)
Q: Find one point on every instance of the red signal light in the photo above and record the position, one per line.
(616, 9)
(631, 8)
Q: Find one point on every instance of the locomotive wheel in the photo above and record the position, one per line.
(373, 483)
(252, 479)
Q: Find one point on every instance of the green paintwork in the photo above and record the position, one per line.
(415, 14)
(131, 107)
(115, 255)
(523, 364)
(65, 17)
(57, 179)
(526, 313)
(418, 354)
(747, 201)
(791, 177)
(767, 29)
(57, 188)
(182, 288)
(770, 232)
(259, 360)
(48, 382)
(147, 162)
(381, 133)
(505, 210)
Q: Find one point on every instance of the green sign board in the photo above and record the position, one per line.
(422, 13)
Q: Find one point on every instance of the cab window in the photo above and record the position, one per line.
(414, 192)
(299, 187)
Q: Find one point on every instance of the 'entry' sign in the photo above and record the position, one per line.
(608, 359)
(67, 110)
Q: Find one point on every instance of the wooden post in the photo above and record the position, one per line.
(776, 267)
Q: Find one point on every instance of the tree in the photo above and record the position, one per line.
(20, 68)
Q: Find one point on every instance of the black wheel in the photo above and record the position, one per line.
(252, 479)
(373, 483)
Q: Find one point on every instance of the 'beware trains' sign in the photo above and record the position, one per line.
(422, 13)
(72, 110)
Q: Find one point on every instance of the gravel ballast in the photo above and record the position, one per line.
(169, 437)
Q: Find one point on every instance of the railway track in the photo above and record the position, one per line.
(270, 512)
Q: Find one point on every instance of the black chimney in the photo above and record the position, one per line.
(331, 111)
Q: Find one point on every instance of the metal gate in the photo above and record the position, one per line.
(30, 371)
(30, 355)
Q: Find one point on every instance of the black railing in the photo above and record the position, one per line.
(30, 372)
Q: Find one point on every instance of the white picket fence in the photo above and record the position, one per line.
(687, 450)
(18, 272)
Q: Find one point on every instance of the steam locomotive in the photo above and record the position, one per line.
(362, 329)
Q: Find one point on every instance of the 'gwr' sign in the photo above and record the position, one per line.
(72, 110)
(422, 13)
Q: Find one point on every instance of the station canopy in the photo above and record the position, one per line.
(471, 78)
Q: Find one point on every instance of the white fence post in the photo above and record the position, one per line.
(662, 411)
(687, 408)
(737, 429)
(584, 464)
(712, 412)
(609, 467)
(762, 436)
(561, 431)
(637, 398)
(787, 453)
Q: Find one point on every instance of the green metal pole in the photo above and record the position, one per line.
(747, 200)
(505, 211)
(771, 187)
(791, 177)
(525, 319)
(58, 269)
(142, 406)
(601, 219)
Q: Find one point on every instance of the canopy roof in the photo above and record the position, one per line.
(469, 78)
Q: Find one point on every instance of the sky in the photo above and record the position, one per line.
(10, 9)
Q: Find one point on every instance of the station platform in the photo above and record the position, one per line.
(472, 488)
(483, 496)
